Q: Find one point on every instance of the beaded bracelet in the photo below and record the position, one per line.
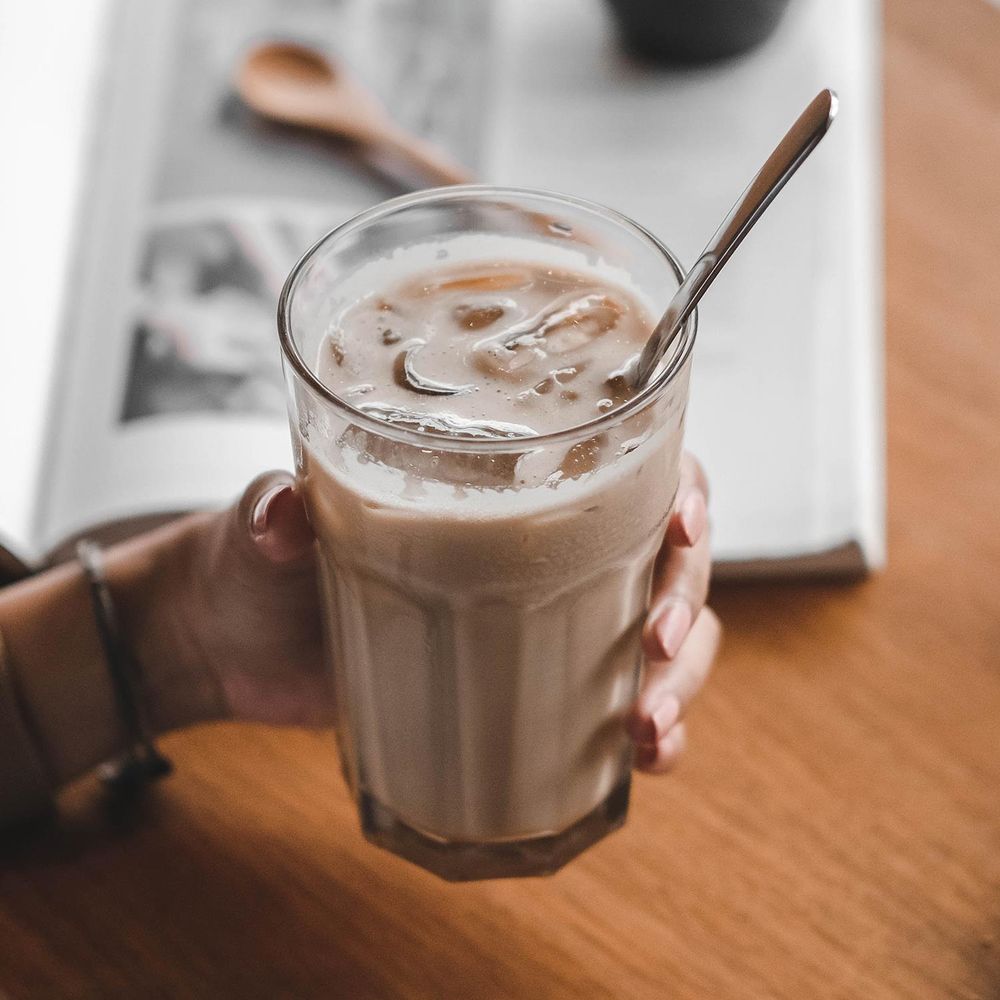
(141, 762)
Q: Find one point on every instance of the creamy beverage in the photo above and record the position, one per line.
(485, 634)
(494, 349)
(488, 491)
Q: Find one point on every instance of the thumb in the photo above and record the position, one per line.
(271, 518)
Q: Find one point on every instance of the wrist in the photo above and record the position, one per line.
(152, 579)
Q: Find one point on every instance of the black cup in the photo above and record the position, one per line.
(692, 31)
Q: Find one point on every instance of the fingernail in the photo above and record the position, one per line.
(641, 729)
(693, 516)
(671, 629)
(665, 716)
(262, 509)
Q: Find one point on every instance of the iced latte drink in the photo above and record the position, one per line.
(489, 492)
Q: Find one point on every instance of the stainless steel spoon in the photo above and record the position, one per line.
(799, 141)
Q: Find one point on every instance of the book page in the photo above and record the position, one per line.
(784, 398)
(43, 122)
(171, 392)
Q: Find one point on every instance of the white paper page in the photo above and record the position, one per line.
(789, 430)
(47, 65)
(197, 211)
(786, 332)
(136, 435)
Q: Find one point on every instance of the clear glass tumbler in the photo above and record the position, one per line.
(483, 597)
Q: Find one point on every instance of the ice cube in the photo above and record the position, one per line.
(447, 424)
(584, 319)
(471, 316)
(476, 279)
(570, 322)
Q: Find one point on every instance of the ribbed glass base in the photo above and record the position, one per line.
(462, 861)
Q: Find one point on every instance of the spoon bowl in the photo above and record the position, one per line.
(298, 85)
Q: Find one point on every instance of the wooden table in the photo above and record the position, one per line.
(835, 828)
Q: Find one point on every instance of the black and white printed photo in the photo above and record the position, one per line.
(203, 339)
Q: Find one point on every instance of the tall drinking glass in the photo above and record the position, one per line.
(483, 598)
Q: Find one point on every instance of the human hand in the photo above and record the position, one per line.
(253, 607)
(253, 617)
(681, 634)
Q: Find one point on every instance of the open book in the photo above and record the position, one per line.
(146, 381)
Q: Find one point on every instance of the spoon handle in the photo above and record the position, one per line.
(435, 163)
(799, 141)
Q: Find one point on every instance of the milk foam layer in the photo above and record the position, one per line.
(490, 349)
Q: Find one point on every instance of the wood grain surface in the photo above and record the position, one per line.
(835, 829)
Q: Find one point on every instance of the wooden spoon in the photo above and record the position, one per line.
(297, 85)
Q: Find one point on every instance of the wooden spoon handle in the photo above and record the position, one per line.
(431, 160)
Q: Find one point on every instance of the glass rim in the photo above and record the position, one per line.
(466, 442)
